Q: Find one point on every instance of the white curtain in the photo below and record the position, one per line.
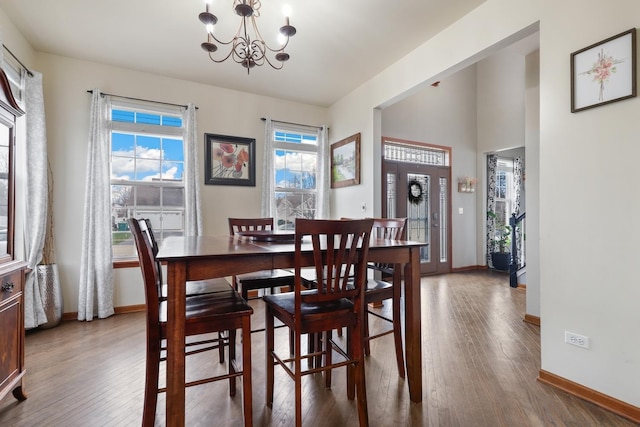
(193, 211)
(268, 200)
(492, 165)
(96, 268)
(323, 174)
(35, 222)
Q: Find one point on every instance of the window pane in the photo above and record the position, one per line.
(147, 170)
(292, 205)
(295, 170)
(148, 147)
(172, 149)
(146, 118)
(295, 138)
(122, 144)
(173, 197)
(148, 196)
(172, 171)
(171, 121)
(122, 116)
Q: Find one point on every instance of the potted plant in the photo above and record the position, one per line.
(501, 256)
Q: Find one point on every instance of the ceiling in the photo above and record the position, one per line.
(339, 44)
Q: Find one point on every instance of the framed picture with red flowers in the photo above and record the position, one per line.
(604, 72)
(229, 160)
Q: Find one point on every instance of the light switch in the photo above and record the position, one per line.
(460, 211)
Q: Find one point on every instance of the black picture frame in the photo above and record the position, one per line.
(229, 160)
(604, 72)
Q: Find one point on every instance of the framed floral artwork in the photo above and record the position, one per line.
(604, 72)
(229, 160)
(345, 162)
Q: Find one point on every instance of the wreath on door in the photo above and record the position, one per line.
(415, 192)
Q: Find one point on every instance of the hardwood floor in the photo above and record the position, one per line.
(480, 367)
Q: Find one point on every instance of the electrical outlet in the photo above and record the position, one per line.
(576, 339)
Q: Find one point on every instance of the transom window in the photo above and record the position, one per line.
(147, 173)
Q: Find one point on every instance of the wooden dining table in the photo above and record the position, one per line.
(203, 257)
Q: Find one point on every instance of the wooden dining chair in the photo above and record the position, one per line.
(197, 287)
(379, 290)
(205, 314)
(264, 279)
(337, 301)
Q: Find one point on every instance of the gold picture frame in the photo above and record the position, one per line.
(345, 162)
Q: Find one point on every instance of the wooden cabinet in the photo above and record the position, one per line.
(12, 272)
(12, 329)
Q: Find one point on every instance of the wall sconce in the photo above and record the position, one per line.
(466, 184)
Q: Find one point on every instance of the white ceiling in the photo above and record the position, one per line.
(338, 46)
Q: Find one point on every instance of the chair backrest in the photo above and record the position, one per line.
(249, 224)
(149, 268)
(339, 247)
(390, 229)
(154, 248)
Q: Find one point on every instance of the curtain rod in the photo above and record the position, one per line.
(291, 123)
(19, 62)
(145, 100)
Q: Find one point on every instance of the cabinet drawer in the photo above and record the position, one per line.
(10, 285)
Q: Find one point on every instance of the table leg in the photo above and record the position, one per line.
(176, 301)
(412, 331)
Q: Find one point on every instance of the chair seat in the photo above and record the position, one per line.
(215, 305)
(286, 302)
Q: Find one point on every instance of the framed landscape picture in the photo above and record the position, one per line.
(229, 160)
(604, 72)
(345, 162)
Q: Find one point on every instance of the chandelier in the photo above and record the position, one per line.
(247, 47)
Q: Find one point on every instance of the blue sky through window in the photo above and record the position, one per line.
(146, 157)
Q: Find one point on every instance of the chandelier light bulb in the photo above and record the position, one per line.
(209, 28)
(286, 11)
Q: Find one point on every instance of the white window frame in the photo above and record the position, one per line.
(316, 149)
(159, 223)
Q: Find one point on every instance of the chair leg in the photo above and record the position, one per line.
(232, 360)
(247, 390)
(350, 368)
(151, 386)
(297, 363)
(221, 340)
(361, 391)
(269, 346)
(365, 321)
(328, 356)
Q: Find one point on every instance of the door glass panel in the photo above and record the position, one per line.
(418, 220)
(391, 195)
(4, 189)
(443, 219)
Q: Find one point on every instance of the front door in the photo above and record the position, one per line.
(421, 193)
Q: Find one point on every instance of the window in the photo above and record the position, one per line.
(147, 172)
(505, 191)
(296, 176)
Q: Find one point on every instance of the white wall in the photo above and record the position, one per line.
(445, 115)
(588, 208)
(588, 236)
(532, 181)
